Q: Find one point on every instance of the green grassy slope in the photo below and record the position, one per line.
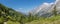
(7, 13)
(51, 20)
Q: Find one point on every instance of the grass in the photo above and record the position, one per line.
(11, 22)
(50, 20)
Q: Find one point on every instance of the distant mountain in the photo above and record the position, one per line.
(46, 9)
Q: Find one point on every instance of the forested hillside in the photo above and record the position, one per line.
(9, 15)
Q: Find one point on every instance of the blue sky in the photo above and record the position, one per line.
(24, 5)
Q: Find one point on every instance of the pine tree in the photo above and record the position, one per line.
(55, 11)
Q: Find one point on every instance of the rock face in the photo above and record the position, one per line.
(46, 9)
(58, 6)
(5, 22)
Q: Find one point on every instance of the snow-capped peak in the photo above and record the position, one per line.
(42, 7)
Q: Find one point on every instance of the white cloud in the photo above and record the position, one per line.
(20, 8)
(46, 3)
(52, 3)
(17, 10)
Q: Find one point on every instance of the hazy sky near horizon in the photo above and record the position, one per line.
(24, 5)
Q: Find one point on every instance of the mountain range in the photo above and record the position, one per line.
(46, 9)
